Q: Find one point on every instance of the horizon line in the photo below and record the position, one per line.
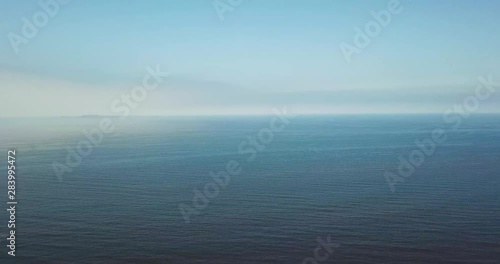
(249, 115)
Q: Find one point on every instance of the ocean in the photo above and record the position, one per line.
(319, 178)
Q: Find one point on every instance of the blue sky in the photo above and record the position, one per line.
(263, 55)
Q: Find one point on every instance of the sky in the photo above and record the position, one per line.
(253, 57)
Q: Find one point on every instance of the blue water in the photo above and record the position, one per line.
(321, 176)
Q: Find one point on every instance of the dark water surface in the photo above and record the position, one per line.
(321, 176)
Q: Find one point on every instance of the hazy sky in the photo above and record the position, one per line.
(264, 54)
